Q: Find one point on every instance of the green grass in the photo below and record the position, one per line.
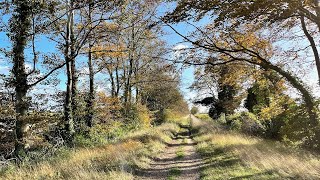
(230, 155)
(205, 117)
(222, 164)
(174, 173)
(185, 140)
(180, 153)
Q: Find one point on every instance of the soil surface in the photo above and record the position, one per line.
(178, 161)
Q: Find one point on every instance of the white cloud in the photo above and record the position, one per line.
(4, 69)
(28, 66)
(178, 50)
(180, 46)
(101, 88)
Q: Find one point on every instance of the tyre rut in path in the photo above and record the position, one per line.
(186, 166)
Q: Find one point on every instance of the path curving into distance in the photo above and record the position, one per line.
(178, 161)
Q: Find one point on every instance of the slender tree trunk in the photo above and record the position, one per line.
(74, 75)
(136, 78)
(68, 112)
(128, 83)
(90, 102)
(74, 88)
(20, 24)
(138, 100)
(124, 79)
(128, 87)
(113, 86)
(117, 80)
(313, 46)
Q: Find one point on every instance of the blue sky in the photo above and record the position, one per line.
(43, 45)
(173, 40)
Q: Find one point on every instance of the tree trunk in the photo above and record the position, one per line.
(313, 46)
(20, 24)
(136, 78)
(113, 86)
(138, 100)
(124, 79)
(90, 102)
(128, 87)
(127, 83)
(117, 81)
(74, 75)
(306, 95)
(68, 113)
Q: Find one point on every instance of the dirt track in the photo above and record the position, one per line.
(179, 161)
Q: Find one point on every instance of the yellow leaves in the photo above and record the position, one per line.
(246, 37)
(308, 3)
(107, 107)
(144, 115)
(235, 75)
(80, 26)
(271, 111)
(247, 40)
(275, 108)
(149, 34)
(112, 102)
(250, 40)
(110, 26)
(110, 50)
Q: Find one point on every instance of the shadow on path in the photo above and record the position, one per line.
(188, 164)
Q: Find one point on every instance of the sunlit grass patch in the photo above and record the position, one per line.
(232, 155)
(120, 175)
(221, 164)
(205, 117)
(185, 141)
(174, 173)
(180, 153)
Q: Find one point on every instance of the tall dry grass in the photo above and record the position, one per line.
(111, 161)
(258, 154)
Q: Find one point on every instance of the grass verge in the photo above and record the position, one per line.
(229, 155)
(110, 161)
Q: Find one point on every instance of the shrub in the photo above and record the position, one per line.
(245, 122)
(144, 116)
(170, 116)
(138, 116)
(167, 115)
(101, 134)
(295, 126)
(236, 124)
(194, 110)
